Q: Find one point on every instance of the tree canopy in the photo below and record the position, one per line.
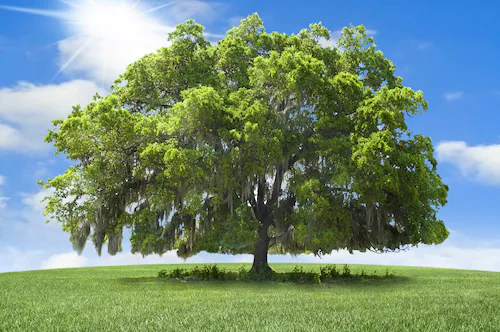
(263, 142)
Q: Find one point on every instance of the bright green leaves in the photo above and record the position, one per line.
(379, 150)
(348, 92)
(318, 30)
(189, 32)
(359, 55)
(185, 167)
(249, 29)
(234, 60)
(388, 107)
(201, 114)
(291, 72)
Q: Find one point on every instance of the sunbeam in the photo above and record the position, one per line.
(154, 9)
(35, 11)
(61, 40)
(135, 4)
(71, 4)
(75, 55)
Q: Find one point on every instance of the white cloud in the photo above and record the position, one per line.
(481, 162)
(12, 259)
(25, 230)
(11, 138)
(27, 109)
(66, 260)
(453, 96)
(34, 200)
(35, 222)
(442, 256)
(332, 42)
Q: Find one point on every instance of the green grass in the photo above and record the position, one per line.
(131, 298)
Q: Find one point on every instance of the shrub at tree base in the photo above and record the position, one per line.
(327, 274)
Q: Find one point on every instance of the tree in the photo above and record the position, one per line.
(264, 142)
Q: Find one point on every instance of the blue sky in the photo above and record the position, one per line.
(448, 49)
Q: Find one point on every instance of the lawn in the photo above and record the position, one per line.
(131, 298)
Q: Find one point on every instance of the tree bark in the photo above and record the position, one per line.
(260, 265)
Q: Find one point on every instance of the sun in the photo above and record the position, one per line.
(107, 20)
(112, 19)
(117, 22)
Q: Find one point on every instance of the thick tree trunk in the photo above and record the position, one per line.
(262, 213)
(260, 264)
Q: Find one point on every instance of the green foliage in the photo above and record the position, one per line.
(347, 271)
(299, 276)
(207, 272)
(328, 273)
(389, 275)
(200, 146)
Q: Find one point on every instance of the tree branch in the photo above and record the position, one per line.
(253, 204)
(261, 192)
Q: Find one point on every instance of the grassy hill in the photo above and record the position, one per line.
(131, 298)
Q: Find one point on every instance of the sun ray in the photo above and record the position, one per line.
(71, 4)
(35, 11)
(61, 40)
(135, 4)
(73, 57)
(154, 9)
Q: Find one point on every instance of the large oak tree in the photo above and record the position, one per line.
(264, 142)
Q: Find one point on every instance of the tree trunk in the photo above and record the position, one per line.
(260, 265)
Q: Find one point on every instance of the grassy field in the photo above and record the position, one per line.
(131, 298)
